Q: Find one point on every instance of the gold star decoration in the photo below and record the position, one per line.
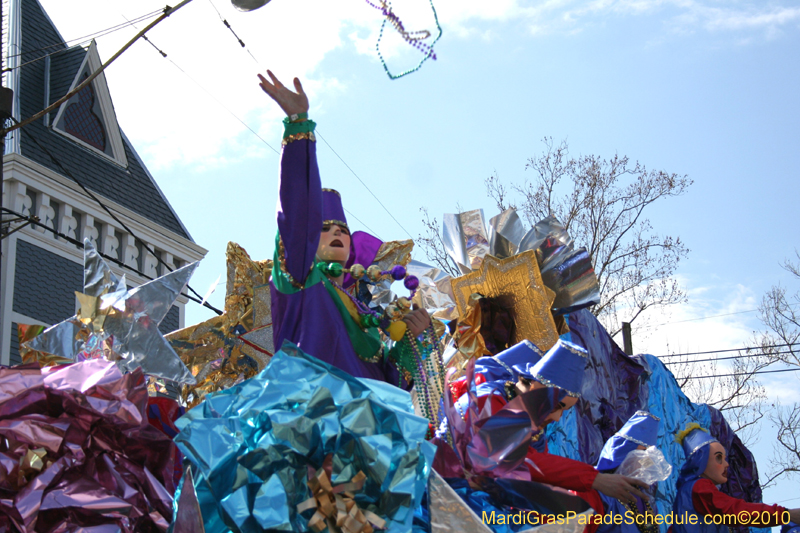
(236, 345)
(516, 284)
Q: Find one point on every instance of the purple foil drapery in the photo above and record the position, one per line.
(615, 386)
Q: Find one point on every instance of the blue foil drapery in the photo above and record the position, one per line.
(252, 447)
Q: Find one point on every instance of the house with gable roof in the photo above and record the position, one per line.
(43, 164)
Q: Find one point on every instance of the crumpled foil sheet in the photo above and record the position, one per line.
(465, 238)
(467, 343)
(435, 292)
(506, 232)
(118, 324)
(493, 445)
(251, 446)
(77, 451)
(235, 346)
(567, 271)
(26, 333)
(389, 254)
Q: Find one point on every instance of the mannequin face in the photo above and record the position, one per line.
(525, 385)
(334, 244)
(717, 466)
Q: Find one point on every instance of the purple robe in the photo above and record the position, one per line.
(307, 315)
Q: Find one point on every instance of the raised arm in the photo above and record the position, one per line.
(300, 194)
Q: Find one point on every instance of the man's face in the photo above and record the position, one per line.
(334, 244)
(524, 385)
(717, 467)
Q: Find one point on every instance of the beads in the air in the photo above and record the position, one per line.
(404, 303)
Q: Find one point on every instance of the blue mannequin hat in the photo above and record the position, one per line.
(641, 429)
(695, 441)
(510, 364)
(563, 367)
(693, 438)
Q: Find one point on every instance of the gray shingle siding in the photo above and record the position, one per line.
(171, 322)
(15, 358)
(130, 187)
(44, 284)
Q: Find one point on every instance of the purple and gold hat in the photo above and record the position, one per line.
(332, 209)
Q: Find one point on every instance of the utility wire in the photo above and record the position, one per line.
(744, 373)
(706, 317)
(731, 357)
(106, 209)
(731, 350)
(364, 184)
(35, 221)
(317, 132)
(80, 40)
(227, 25)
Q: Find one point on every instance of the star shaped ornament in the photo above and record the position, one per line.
(118, 324)
(516, 283)
(227, 349)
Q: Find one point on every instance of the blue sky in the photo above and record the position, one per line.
(699, 87)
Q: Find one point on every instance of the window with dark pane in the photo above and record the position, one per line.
(80, 120)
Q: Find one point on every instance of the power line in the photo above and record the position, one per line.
(79, 41)
(364, 184)
(731, 350)
(744, 373)
(35, 221)
(105, 208)
(317, 132)
(746, 356)
(706, 317)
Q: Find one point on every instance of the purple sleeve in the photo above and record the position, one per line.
(299, 207)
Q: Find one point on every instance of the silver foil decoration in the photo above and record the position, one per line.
(435, 291)
(61, 339)
(465, 239)
(565, 270)
(137, 338)
(448, 511)
(506, 231)
(137, 342)
(249, 5)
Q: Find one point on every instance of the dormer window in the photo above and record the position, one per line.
(88, 116)
(80, 119)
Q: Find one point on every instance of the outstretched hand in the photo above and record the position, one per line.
(290, 101)
(619, 487)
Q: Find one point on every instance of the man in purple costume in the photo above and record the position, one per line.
(309, 307)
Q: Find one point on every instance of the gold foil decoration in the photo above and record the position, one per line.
(516, 284)
(468, 338)
(394, 253)
(336, 508)
(215, 350)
